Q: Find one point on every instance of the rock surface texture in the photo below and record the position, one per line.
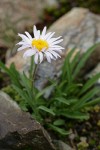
(79, 28)
(20, 14)
(18, 130)
(64, 146)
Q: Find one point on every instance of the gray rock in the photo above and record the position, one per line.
(18, 130)
(19, 15)
(64, 146)
(80, 28)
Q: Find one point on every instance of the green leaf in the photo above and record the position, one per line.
(15, 75)
(24, 95)
(21, 92)
(40, 93)
(84, 58)
(23, 106)
(12, 73)
(59, 130)
(59, 122)
(2, 66)
(61, 85)
(75, 115)
(50, 111)
(67, 64)
(26, 85)
(90, 83)
(68, 71)
(93, 102)
(88, 96)
(72, 101)
(73, 88)
(74, 61)
(67, 101)
(63, 100)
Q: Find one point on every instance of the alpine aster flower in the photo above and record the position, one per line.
(42, 45)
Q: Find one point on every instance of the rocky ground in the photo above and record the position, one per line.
(85, 135)
(79, 28)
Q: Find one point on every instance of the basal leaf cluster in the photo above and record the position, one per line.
(69, 98)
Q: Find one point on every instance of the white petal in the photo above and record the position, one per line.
(20, 43)
(29, 36)
(56, 42)
(29, 53)
(48, 58)
(47, 35)
(54, 39)
(38, 36)
(56, 48)
(50, 36)
(49, 54)
(23, 47)
(36, 58)
(41, 57)
(25, 38)
(35, 32)
(55, 54)
(43, 32)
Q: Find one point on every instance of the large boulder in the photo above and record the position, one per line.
(18, 130)
(79, 28)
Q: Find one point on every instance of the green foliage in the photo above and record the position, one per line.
(69, 98)
(22, 84)
(16, 97)
(71, 93)
(59, 130)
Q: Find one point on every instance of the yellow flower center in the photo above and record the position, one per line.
(40, 44)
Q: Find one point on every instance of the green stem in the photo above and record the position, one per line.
(32, 71)
(31, 67)
(33, 75)
(35, 69)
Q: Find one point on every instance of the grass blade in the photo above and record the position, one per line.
(75, 115)
(59, 130)
(90, 83)
(84, 58)
(46, 110)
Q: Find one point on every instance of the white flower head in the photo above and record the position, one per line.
(42, 45)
